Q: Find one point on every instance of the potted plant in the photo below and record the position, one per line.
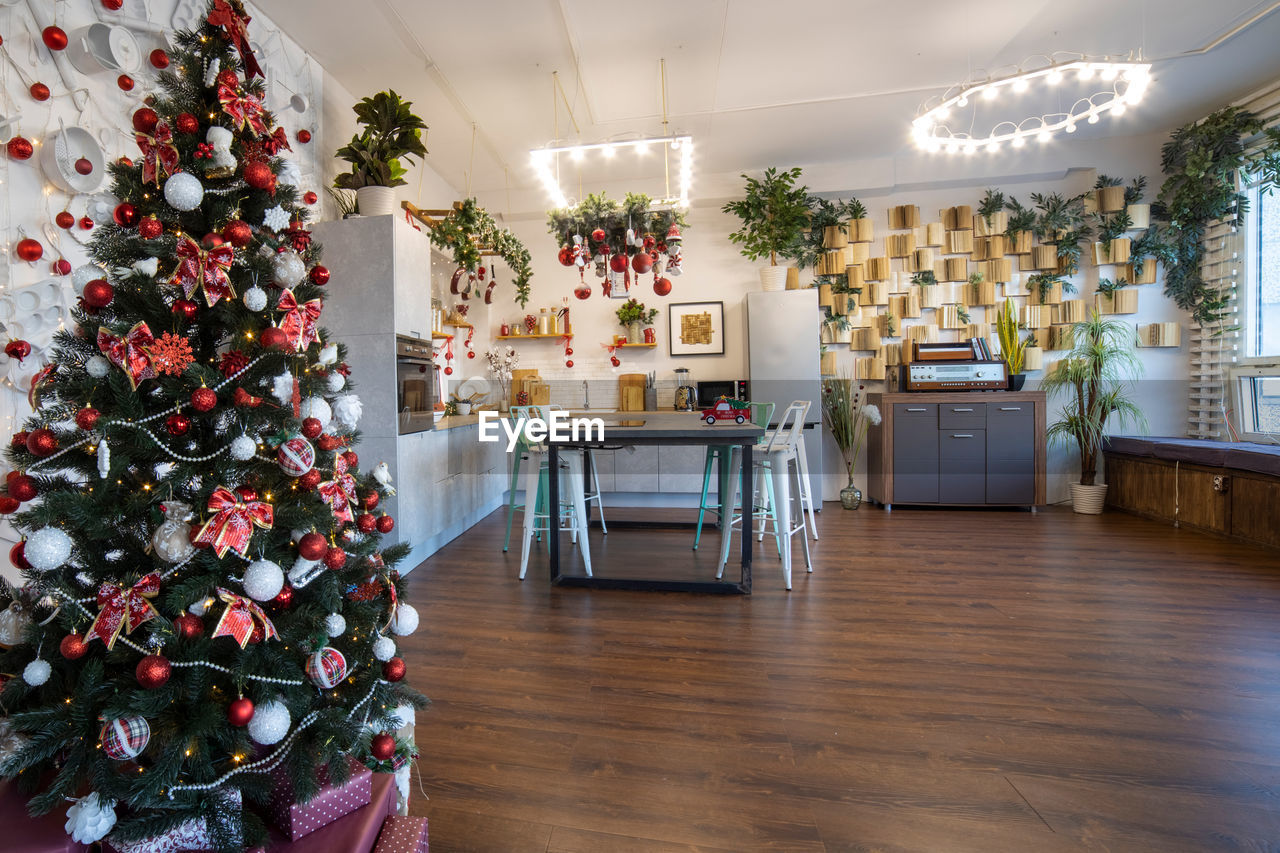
(848, 415)
(390, 131)
(1021, 224)
(1112, 247)
(774, 214)
(1139, 214)
(992, 218)
(633, 316)
(1013, 347)
(1094, 377)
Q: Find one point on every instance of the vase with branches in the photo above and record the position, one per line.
(848, 416)
(502, 363)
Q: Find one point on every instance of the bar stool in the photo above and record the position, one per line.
(538, 514)
(761, 414)
(806, 490)
(775, 457)
(590, 460)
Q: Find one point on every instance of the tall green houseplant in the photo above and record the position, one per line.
(389, 132)
(774, 214)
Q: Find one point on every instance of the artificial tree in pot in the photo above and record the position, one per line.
(1013, 347)
(1094, 380)
(390, 131)
(774, 214)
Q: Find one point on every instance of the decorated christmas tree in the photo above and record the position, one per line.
(205, 600)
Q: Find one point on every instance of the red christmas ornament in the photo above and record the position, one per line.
(192, 535)
(285, 599)
(353, 460)
(19, 439)
(62, 266)
(371, 500)
(273, 337)
(471, 354)
(186, 308)
(328, 442)
(112, 5)
(382, 746)
(310, 197)
(569, 363)
(126, 162)
(84, 166)
(258, 634)
(618, 263)
(642, 262)
(98, 293)
(186, 123)
(64, 220)
(238, 233)
(304, 136)
(335, 558)
(565, 256)
(258, 175)
(309, 480)
(204, 399)
(393, 670)
(29, 250)
(212, 240)
(87, 418)
(312, 546)
(228, 78)
(568, 350)
(150, 228)
(20, 148)
(448, 371)
(319, 275)
(240, 712)
(23, 488)
(598, 235)
(365, 522)
(125, 82)
(582, 291)
(18, 349)
(188, 626)
(311, 428)
(73, 647)
(153, 671)
(85, 223)
(42, 442)
(662, 286)
(247, 493)
(159, 59)
(40, 91)
(125, 215)
(613, 359)
(54, 38)
(178, 424)
(386, 524)
(18, 553)
(8, 505)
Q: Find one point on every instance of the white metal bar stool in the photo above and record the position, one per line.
(805, 488)
(538, 516)
(775, 459)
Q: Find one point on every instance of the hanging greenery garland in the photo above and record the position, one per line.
(467, 228)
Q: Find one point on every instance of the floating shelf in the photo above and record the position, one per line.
(460, 325)
(440, 336)
(646, 346)
(531, 337)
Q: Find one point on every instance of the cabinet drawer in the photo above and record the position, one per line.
(966, 444)
(915, 411)
(1011, 431)
(962, 416)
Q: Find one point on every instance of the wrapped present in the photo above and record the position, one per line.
(403, 835)
(356, 832)
(298, 819)
(188, 837)
(26, 834)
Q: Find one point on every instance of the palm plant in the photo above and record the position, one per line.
(390, 132)
(1094, 378)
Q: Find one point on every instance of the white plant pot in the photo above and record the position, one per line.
(376, 201)
(464, 408)
(1140, 214)
(773, 278)
(1088, 500)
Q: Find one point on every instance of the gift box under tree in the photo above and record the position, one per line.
(403, 835)
(296, 819)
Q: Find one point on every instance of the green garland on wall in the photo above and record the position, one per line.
(468, 227)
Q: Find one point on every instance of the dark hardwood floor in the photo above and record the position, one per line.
(943, 681)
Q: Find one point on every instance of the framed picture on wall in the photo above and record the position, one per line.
(696, 328)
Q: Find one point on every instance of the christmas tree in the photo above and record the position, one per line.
(205, 597)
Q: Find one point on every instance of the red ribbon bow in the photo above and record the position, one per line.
(276, 142)
(123, 608)
(131, 353)
(237, 26)
(233, 523)
(204, 270)
(299, 237)
(241, 617)
(339, 492)
(299, 323)
(243, 109)
(159, 154)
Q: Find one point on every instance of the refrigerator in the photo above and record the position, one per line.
(784, 363)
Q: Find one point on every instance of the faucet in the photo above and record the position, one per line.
(586, 395)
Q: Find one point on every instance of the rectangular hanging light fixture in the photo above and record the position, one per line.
(546, 164)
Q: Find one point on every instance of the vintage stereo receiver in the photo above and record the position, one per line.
(962, 366)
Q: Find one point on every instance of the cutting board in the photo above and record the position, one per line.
(521, 379)
(631, 392)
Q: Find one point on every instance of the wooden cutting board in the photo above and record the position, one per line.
(631, 392)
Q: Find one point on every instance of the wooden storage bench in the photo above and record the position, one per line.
(1232, 489)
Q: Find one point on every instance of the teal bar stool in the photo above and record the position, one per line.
(718, 454)
(519, 457)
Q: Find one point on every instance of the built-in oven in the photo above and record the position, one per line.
(416, 393)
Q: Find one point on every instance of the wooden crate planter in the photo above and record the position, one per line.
(1160, 335)
(826, 298)
(1117, 302)
(1069, 311)
(958, 218)
(904, 216)
(1044, 258)
(1148, 272)
(905, 305)
(1039, 338)
(930, 295)
(874, 293)
(1020, 243)
(1110, 199)
(1037, 316)
(997, 270)
(1033, 359)
(843, 334)
(954, 269)
(1052, 295)
(900, 245)
(1060, 337)
(861, 230)
(921, 333)
(999, 224)
(931, 235)
(870, 368)
(828, 364)
(1115, 252)
(876, 269)
(958, 243)
(834, 237)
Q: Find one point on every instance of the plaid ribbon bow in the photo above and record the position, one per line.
(159, 154)
(206, 270)
(130, 352)
(123, 608)
(299, 323)
(241, 617)
(339, 492)
(233, 522)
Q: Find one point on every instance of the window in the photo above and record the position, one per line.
(1255, 381)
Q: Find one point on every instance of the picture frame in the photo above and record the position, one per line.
(695, 328)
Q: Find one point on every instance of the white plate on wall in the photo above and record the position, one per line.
(474, 385)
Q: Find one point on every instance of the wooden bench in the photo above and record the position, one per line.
(1232, 489)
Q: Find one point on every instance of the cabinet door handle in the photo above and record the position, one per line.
(961, 435)
(1011, 408)
(917, 410)
(958, 409)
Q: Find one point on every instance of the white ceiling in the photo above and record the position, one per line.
(756, 82)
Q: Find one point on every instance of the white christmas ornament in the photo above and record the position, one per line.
(183, 191)
(304, 571)
(382, 474)
(211, 75)
(384, 648)
(221, 138)
(289, 175)
(316, 407)
(263, 580)
(172, 539)
(97, 366)
(277, 218)
(90, 819)
(288, 268)
(282, 388)
(347, 410)
(405, 621)
(270, 723)
(328, 355)
(47, 548)
(402, 716)
(335, 382)
(243, 448)
(335, 625)
(255, 298)
(85, 274)
(147, 266)
(37, 672)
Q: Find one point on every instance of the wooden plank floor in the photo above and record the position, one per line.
(943, 681)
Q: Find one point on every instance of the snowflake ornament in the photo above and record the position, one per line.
(171, 354)
(277, 218)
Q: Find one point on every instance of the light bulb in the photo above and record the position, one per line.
(1093, 118)
(1085, 72)
(970, 147)
(963, 102)
(1119, 108)
(953, 147)
(1071, 127)
(990, 93)
(1018, 142)
(608, 151)
(993, 147)
(1109, 73)
(577, 154)
(642, 148)
(1020, 85)
(933, 147)
(675, 145)
(1044, 136)
(1054, 77)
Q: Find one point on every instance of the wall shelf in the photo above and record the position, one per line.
(440, 336)
(644, 345)
(531, 337)
(460, 325)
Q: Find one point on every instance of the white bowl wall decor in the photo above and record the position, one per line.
(103, 47)
(58, 160)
